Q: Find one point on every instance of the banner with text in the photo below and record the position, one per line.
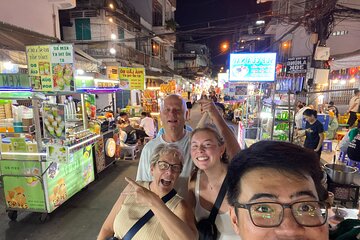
(132, 78)
(51, 67)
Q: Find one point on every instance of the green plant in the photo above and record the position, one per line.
(171, 24)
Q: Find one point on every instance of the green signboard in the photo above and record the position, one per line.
(23, 189)
(66, 179)
(14, 81)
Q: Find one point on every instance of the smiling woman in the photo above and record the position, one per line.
(163, 212)
(208, 155)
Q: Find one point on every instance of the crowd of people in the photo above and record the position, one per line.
(273, 189)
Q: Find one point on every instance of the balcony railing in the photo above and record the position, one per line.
(126, 53)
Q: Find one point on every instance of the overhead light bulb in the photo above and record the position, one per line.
(352, 80)
(111, 6)
(342, 82)
(113, 36)
(8, 65)
(336, 80)
(111, 20)
(112, 51)
(80, 72)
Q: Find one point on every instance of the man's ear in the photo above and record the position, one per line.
(151, 169)
(234, 220)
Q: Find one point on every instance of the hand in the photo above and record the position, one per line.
(316, 150)
(208, 105)
(142, 195)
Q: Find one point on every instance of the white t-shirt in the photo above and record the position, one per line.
(148, 124)
(354, 100)
(143, 173)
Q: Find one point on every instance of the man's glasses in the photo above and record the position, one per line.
(271, 214)
(165, 166)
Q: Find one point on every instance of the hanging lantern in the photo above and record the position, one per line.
(353, 71)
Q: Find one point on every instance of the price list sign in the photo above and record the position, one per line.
(51, 67)
(134, 77)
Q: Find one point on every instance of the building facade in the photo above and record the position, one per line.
(121, 33)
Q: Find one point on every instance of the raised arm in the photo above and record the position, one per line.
(143, 172)
(178, 225)
(231, 144)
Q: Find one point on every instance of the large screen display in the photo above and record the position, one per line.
(254, 67)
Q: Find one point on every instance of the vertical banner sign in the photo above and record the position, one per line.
(39, 67)
(62, 65)
(51, 67)
(132, 78)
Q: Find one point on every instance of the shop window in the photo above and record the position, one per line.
(83, 29)
(155, 48)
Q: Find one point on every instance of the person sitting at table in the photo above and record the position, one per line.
(172, 219)
(333, 126)
(275, 192)
(332, 107)
(131, 136)
(123, 116)
(147, 124)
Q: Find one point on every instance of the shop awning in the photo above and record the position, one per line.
(13, 41)
(16, 38)
(346, 60)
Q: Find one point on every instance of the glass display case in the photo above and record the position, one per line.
(277, 122)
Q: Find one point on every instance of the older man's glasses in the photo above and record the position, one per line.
(271, 214)
(165, 166)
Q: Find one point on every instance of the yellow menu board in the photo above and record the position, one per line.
(132, 78)
(51, 67)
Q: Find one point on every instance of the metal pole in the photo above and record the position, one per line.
(326, 91)
(84, 116)
(36, 112)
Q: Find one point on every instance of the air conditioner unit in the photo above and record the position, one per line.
(322, 53)
(64, 4)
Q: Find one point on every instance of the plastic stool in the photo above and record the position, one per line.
(132, 149)
(327, 146)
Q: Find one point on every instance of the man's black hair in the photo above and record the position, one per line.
(123, 114)
(310, 112)
(331, 103)
(282, 156)
(356, 91)
(144, 114)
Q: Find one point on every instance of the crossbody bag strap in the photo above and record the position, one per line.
(144, 219)
(219, 200)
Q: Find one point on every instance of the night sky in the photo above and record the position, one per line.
(193, 14)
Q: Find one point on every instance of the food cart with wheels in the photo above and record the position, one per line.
(45, 158)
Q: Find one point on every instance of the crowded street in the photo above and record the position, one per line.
(179, 119)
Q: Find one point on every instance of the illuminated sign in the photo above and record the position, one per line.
(254, 67)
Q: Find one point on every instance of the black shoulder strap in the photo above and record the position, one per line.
(141, 222)
(219, 200)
